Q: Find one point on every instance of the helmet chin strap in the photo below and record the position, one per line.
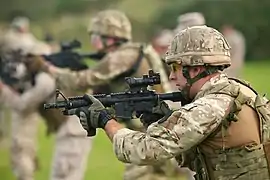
(190, 81)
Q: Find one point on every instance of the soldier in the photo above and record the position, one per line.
(237, 42)
(188, 20)
(24, 103)
(17, 37)
(223, 133)
(71, 146)
(110, 32)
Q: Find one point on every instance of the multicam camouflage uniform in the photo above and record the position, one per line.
(224, 133)
(112, 69)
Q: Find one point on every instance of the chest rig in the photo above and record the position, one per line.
(247, 161)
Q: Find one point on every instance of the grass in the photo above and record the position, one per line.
(102, 164)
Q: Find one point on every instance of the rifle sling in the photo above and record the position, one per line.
(134, 68)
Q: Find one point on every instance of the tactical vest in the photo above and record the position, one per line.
(240, 147)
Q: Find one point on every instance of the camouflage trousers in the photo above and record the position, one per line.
(23, 145)
(71, 151)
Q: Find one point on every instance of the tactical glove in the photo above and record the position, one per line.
(94, 116)
(160, 111)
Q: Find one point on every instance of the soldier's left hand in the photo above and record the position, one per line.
(161, 110)
(95, 116)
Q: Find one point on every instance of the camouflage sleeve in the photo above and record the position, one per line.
(30, 99)
(109, 68)
(182, 130)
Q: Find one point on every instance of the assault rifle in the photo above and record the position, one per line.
(68, 58)
(136, 99)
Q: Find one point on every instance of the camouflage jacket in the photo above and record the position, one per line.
(203, 122)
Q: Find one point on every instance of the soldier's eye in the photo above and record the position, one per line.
(174, 67)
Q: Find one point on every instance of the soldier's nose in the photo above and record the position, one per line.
(172, 76)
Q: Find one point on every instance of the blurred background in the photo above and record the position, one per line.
(65, 20)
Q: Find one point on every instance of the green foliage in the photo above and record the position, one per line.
(48, 9)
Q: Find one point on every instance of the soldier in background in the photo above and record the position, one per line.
(24, 103)
(110, 32)
(16, 37)
(71, 146)
(188, 20)
(238, 49)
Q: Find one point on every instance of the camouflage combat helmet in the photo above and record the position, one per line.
(199, 45)
(20, 22)
(111, 23)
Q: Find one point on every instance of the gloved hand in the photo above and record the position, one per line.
(160, 111)
(35, 63)
(94, 116)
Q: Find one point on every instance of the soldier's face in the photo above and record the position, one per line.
(176, 76)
